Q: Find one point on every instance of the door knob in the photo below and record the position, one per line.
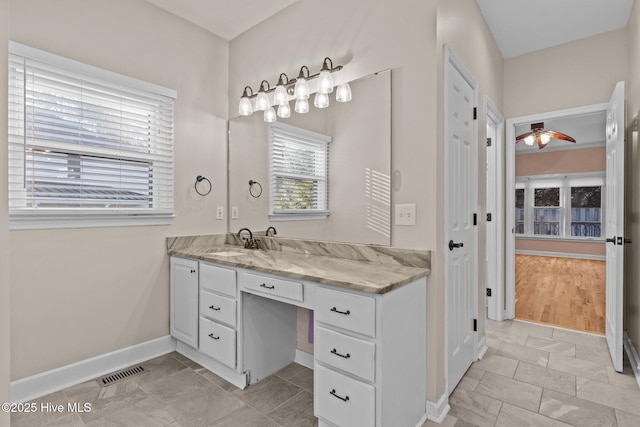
(455, 245)
(627, 241)
(611, 240)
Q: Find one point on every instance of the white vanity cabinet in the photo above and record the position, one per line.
(184, 301)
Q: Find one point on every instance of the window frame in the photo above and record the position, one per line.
(160, 212)
(321, 142)
(565, 182)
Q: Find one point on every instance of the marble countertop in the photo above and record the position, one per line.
(360, 275)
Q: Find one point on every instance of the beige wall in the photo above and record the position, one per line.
(367, 37)
(5, 367)
(590, 248)
(574, 74)
(462, 28)
(632, 271)
(97, 290)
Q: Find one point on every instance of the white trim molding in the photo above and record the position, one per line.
(44, 383)
(436, 411)
(561, 255)
(304, 359)
(632, 354)
(482, 346)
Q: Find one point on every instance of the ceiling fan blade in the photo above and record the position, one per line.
(523, 136)
(559, 135)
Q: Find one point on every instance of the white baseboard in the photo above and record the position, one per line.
(632, 354)
(39, 385)
(562, 255)
(482, 348)
(304, 359)
(437, 411)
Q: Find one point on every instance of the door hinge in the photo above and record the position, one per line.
(488, 142)
(488, 217)
(475, 325)
(475, 113)
(488, 292)
(475, 219)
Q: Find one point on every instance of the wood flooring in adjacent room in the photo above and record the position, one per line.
(565, 292)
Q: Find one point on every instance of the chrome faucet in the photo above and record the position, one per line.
(248, 243)
(272, 229)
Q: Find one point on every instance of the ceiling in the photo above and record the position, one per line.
(224, 18)
(523, 26)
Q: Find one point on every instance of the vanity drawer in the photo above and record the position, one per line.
(218, 279)
(218, 307)
(348, 311)
(278, 287)
(350, 354)
(341, 400)
(218, 341)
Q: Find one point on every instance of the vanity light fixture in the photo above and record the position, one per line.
(297, 88)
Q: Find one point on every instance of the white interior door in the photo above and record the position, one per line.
(461, 164)
(615, 223)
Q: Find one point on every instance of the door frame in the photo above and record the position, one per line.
(450, 60)
(509, 196)
(494, 204)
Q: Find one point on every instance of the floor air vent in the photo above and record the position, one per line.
(123, 374)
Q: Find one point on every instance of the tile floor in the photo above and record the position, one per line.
(532, 375)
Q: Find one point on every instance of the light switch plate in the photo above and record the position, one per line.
(234, 212)
(220, 212)
(405, 214)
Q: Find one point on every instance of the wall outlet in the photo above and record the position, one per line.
(220, 212)
(405, 214)
(234, 212)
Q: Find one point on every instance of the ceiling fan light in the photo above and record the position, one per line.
(545, 138)
(529, 140)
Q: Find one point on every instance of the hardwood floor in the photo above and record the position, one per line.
(564, 292)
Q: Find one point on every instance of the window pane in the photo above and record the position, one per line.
(519, 210)
(547, 221)
(544, 197)
(586, 220)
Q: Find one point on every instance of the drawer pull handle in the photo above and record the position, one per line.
(214, 337)
(264, 285)
(346, 356)
(334, 394)
(214, 308)
(335, 310)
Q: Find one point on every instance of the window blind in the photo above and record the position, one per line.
(85, 142)
(299, 162)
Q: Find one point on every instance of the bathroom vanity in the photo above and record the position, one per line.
(233, 311)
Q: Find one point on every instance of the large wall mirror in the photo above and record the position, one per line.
(359, 187)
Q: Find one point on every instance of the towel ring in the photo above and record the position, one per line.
(251, 183)
(199, 179)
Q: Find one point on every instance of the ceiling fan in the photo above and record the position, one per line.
(541, 136)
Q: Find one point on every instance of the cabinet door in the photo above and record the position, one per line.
(184, 301)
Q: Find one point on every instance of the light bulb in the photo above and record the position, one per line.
(262, 102)
(301, 90)
(284, 110)
(325, 82)
(545, 138)
(280, 96)
(321, 100)
(529, 140)
(343, 93)
(302, 106)
(245, 108)
(269, 115)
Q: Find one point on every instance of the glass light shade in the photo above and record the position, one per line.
(544, 138)
(269, 115)
(325, 82)
(302, 106)
(280, 96)
(343, 93)
(321, 100)
(245, 107)
(529, 140)
(284, 110)
(301, 90)
(262, 102)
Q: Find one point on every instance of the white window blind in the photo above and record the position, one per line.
(87, 147)
(299, 162)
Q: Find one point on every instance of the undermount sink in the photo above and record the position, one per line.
(226, 253)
